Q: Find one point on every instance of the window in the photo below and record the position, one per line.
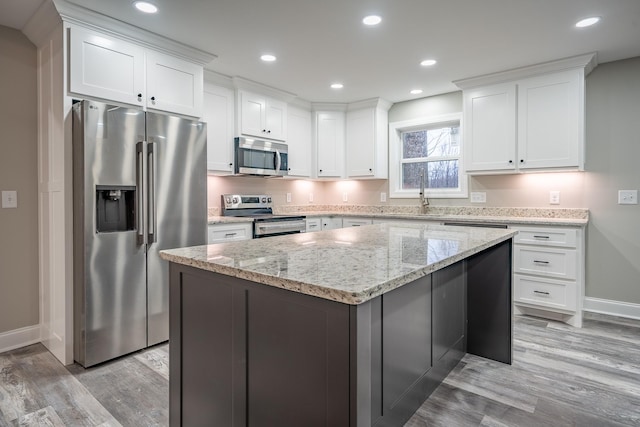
(429, 145)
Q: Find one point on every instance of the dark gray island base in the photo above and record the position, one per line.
(247, 354)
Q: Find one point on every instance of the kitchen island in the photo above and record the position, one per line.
(349, 327)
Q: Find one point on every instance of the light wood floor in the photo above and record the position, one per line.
(561, 376)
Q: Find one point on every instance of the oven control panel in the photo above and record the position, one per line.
(239, 201)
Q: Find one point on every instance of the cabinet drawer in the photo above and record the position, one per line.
(558, 263)
(313, 224)
(356, 222)
(545, 292)
(226, 233)
(561, 237)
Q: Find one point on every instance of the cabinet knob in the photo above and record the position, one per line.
(289, 169)
(139, 97)
(521, 160)
(268, 131)
(153, 99)
(264, 130)
(230, 164)
(510, 161)
(320, 170)
(370, 170)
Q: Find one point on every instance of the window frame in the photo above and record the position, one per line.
(395, 159)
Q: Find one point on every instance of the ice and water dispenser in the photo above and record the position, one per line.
(115, 206)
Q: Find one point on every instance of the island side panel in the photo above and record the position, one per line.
(297, 360)
(449, 319)
(245, 354)
(201, 349)
(489, 303)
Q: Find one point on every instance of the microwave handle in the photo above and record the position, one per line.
(278, 160)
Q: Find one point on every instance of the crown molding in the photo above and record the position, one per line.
(42, 23)
(586, 62)
(218, 79)
(245, 84)
(77, 15)
(370, 103)
(328, 106)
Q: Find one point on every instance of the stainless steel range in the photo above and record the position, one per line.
(259, 207)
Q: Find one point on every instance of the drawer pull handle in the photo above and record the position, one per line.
(540, 237)
(540, 262)
(230, 234)
(541, 292)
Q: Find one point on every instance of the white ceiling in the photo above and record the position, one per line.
(319, 42)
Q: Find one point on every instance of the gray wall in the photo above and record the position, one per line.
(19, 302)
(613, 163)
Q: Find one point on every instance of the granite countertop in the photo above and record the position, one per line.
(217, 219)
(490, 215)
(348, 265)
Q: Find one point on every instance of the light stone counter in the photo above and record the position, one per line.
(349, 265)
(215, 219)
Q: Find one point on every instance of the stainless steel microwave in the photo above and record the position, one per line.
(259, 157)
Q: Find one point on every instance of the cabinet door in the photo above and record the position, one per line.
(549, 125)
(331, 223)
(173, 85)
(276, 119)
(252, 114)
(330, 137)
(361, 142)
(104, 67)
(218, 114)
(489, 128)
(299, 141)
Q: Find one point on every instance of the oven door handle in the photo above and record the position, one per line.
(280, 226)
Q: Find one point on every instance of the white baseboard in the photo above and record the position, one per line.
(19, 338)
(612, 308)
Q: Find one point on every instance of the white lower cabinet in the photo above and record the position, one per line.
(548, 272)
(331, 222)
(219, 233)
(356, 222)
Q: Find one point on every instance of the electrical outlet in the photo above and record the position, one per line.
(554, 197)
(383, 197)
(288, 197)
(9, 199)
(478, 197)
(310, 197)
(627, 197)
(345, 196)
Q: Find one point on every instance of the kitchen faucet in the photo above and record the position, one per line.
(424, 201)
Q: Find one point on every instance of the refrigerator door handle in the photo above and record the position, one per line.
(139, 217)
(151, 189)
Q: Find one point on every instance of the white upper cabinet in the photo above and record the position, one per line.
(218, 113)
(261, 116)
(330, 139)
(489, 128)
(367, 140)
(107, 68)
(111, 69)
(173, 85)
(531, 120)
(551, 121)
(299, 141)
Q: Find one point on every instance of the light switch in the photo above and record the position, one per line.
(383, 197)
(345, 197)
(288, 197)
(9, 199)
(554, 197)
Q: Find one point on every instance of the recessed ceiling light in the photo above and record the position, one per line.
(268, 58)
(371, 20)
(416, 91)
(428, 62)
(587, 22)
(145, 7)
(337, 86)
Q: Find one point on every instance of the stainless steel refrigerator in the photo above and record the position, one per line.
(139, 187)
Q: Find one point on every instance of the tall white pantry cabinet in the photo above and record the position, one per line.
(51, 29)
